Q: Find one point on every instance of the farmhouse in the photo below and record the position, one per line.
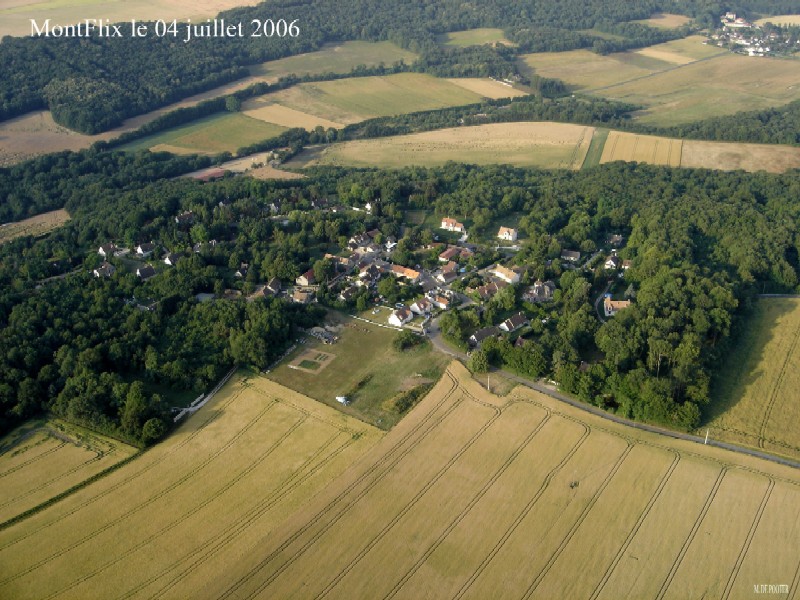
(105, 270)
(476, 339)
(306, 278)
(506, 274)
(514, 322)
(400, 317)
(145, 272)
(571, 255)
(452, 225)
(612, 307)
(540, 291)
(508, 234)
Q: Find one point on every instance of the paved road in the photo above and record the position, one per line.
(439, 344)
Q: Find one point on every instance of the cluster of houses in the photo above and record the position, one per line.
(744, 37)
(509, 325)
(141, 251)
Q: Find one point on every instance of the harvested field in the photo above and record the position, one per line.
(15, 15)
(225, 132)
(35, 226)
(729, 156)
(755, 401)
(649, 149)
(665, 20)
(488, 88)
(583, 69)
(470, 495)
(35, 134)
(545, 145)
(45, 458)
(780, 20)
(476, 37)
(353, 100)
(270, 112)
(183, 512)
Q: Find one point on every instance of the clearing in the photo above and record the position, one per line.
(363, 366)
(544, 145)
(35, 226)
(223, 132)
(475, 37)
(42, 459)
(181, 513)
(665, 20)
(250, 499)
(755, 402)
(632, 147)
(488, 88)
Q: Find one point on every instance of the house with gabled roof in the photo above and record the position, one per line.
(400, 317)
(612, 307)
(540, 291)
(145, 272)
(452, 225)
(571, 255)
(477, 338)
(306, 278)
(613, 262)
(514, 322)
(172, 259)
(421, 307)
(508, 234)
(105, 270)
(107, 250)
(273, 287)
(145, 249)
(506, 274)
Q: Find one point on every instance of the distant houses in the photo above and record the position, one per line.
(185, 218)
(507, 234)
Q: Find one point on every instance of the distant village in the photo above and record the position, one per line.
(750, 39)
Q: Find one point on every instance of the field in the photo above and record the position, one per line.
(475, 37)
(36, 133)
(780, 20)
(544, 145)
(45, 458)
(756, 401)
(353, 100)
(595, 152)
(731, 156)
(225, 132)
(364, 367)
(35, 226)
(265, 110)
(641, 148)
(488, 88)
(471, 495)
(15, 15)
(665, 20)
(180, 514)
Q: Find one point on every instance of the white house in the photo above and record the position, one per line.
(506, 274)
(508, 234)
(612, 307)
(514, 322)
(452, 225)
(400, 317)
(145, 250)
(105, 270)
(107, 250)
(421, 307)
(613, 262)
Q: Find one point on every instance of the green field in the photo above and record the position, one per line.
(544, 145)
(596, 148)
(225, 132)
(363, 352)
(756, 401)
(475, 37)
(335, 58)
(354, 100)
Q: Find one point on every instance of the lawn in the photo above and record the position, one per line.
(225, 132)
(755, 396)
(366, 369)
(543, 145)
(596, 148)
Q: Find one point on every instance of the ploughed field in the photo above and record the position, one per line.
(470, 496)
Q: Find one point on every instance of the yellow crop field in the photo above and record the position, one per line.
(488, 88)
(353, 100)
(475, 496)
(470, 496)
(756, 402)
(43, 459)
(544, 145)
(264, 110)
(35, 226)
(583, 69)
(184, 511)
(729, 156)
(649, 149)
(780, 20)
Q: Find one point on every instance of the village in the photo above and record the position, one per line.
(743, 37)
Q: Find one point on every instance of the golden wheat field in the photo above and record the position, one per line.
(470, 496)
(649, 149)
(757, 402)
(40, 460)
(544, 145)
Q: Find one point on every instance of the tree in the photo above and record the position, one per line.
(233, 104)
(389, 289)
(478, 361)
(152, 431)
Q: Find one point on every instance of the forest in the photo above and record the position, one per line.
(111, 352)
(90, 85)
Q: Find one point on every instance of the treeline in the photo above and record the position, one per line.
(92, 84)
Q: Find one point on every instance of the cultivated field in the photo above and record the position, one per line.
(780, 20)
(270, 112)
(544, 145)
(649, 149)
(476, 37)
(225, 132)
(475, 496)
(45, 458)
(353, 100)
(362, 366)
(15, 15)
(35, 134)
(488, 88)
(180, 515)
(729, 156)
(35, 226)
(665, 20)
(756, 401)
